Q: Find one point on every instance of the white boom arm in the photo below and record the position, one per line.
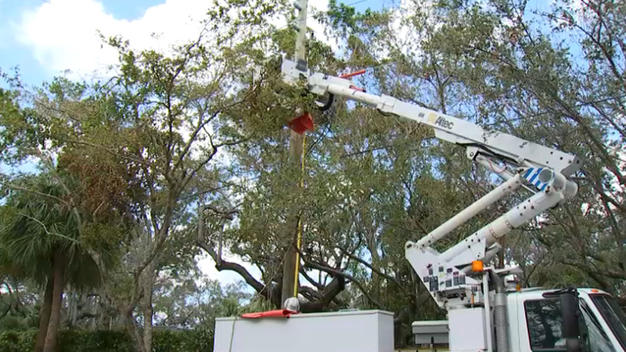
(542, 168)
(506, 147)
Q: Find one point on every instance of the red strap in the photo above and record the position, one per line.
(278, 313)
(352, 74)
(357, 88)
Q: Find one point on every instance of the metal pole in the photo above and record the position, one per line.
(499, 313)
(487, 312)
(296, 153)
(300, 53)
(300, 56)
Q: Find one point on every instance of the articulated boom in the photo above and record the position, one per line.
(505, 147)
(525, 164)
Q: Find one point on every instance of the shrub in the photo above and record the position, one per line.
(92, 341)
(110, 341)
(17, 341)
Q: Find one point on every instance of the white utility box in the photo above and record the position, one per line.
(467, 330)
(430, 332)
(358, 331)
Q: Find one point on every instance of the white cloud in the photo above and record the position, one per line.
(318, 28)
(63, 34)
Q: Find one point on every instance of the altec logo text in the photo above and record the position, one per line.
(441, 121)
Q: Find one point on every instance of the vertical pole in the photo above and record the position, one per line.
(296, 153)
(300, 56)
(296, 273)
(499, 313)
(300, 53)
(487, 312)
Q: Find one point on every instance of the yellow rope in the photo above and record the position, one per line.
(299, 238)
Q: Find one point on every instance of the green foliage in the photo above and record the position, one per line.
(17, 341)
(35, 225)
(110, 341)
(18, 310)
(189, 303)
(346, 18)
(183, 340)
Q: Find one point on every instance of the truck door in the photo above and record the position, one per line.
(544, 320)
(543, 323)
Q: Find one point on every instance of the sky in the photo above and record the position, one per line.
(47, 38)
(44, 38)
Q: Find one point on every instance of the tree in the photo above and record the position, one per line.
(542, 91)
(143, 148)
(272, 106)
(509, 67)
(40, 240)
(194, 304)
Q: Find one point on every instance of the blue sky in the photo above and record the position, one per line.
(13, 53)
(45, 37)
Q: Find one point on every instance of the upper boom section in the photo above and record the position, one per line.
(510, 149)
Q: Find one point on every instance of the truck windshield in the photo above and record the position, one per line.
(612, 314)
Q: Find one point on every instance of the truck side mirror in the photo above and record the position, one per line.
(570, 314)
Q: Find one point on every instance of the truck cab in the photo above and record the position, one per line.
(535, 321)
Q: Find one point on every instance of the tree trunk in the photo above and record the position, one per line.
(289, 265)
(131, 329)
(58, 268)
(44, 315)
(147, 309)
(291, 227)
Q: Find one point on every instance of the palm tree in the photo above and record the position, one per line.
(40, 235)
